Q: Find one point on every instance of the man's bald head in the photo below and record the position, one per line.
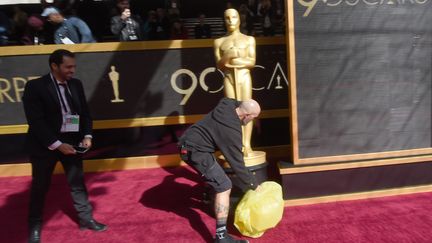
(248, 110)
(250, 107)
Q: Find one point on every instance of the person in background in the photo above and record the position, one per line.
(19, 22)
(33, 34)
(126, 27)
(5, 27)
(280, 14)
(163, 24)
(221, 129)
(246, 20)
(59, 119)
(178, 31)
(150, 26)
(252, 6)
(267, 15)
(70, 30)
(172, 4)
(173, 9)
(202, 30)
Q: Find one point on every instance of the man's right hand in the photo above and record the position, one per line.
(258, 189)
(125, 14)
(66, 149)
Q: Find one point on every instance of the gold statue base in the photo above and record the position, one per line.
(253, 159)
(117, 101)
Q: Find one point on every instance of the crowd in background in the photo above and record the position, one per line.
(84, 21)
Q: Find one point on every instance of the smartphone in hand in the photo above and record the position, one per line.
(80, 149)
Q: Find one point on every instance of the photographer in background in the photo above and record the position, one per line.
(126, 27)
(71, 30)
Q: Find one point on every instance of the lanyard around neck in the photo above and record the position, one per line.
(62, 101)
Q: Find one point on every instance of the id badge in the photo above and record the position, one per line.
(71, 123)
(133, 37)
(66, 40)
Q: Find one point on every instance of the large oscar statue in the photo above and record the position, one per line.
(235, 56)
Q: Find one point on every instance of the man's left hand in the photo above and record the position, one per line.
(87, 142)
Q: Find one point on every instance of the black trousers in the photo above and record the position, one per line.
(42, 169)
(205, 164)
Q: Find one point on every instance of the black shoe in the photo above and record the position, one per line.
(35, 233)
(229, 239)
(92, 225)
(207, 198)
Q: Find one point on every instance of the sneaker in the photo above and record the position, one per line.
(207, 198)
(229, 239)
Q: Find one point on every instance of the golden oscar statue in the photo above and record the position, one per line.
(235, 56)
(114, 76)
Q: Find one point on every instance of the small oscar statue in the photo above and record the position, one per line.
(115, 77)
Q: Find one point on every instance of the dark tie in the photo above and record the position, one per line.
(68, 98)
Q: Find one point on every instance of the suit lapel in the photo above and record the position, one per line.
(75, 94)
(52, 90)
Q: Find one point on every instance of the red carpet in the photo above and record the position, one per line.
(161, 205)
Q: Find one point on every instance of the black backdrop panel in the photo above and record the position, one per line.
(145, 141)
(363, 76)
(152, 83)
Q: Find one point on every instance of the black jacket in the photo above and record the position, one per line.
(221, 129)
(44, 116)
(123, 29)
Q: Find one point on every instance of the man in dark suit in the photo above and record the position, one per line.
(58, 119)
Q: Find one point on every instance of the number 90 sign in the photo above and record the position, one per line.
(277, 76)
(189, 91)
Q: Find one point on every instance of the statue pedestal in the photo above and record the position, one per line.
(254, 159)
(256, 162)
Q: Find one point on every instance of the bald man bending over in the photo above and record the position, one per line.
(221, 129)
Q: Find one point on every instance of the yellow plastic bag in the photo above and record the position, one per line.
(259, 211)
